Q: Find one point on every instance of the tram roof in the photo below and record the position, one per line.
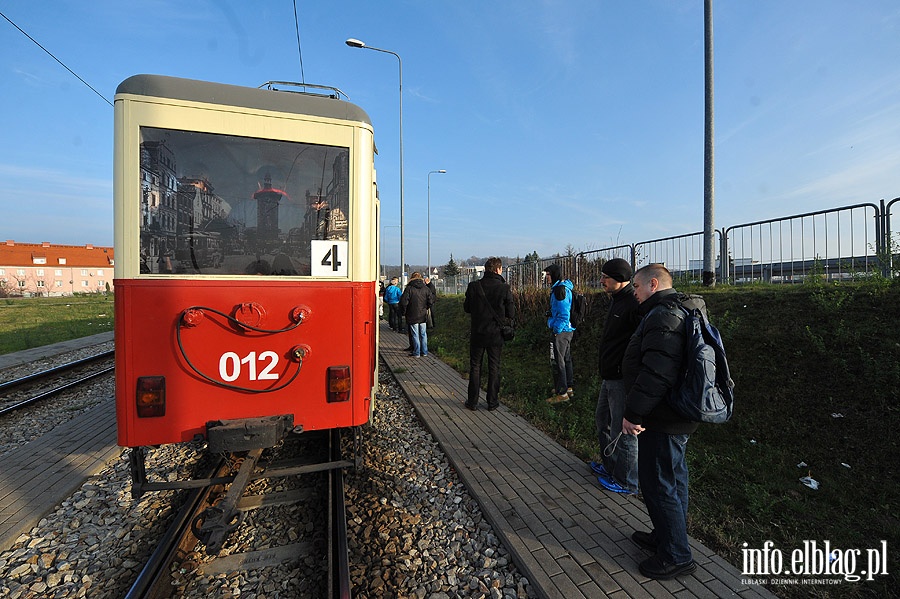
(162, 86)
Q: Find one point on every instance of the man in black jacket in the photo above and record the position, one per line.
(650, 369)
(487, 300)
(617, 466)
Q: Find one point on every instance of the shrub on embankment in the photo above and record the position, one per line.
(817, 374)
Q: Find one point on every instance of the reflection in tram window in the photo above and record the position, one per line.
(227, 205)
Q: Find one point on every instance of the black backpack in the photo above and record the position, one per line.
(579, 309)
(705, 391)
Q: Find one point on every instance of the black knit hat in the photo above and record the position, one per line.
(617, 269)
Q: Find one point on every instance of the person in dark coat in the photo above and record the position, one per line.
(429, 317)
(487, 300)
(617, 466)
(414, 304)
(650, 369)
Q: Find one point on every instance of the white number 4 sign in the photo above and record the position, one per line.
(329, 258)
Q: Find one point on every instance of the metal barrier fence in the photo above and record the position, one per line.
(456, 284)
(842, 243)
(891, 239)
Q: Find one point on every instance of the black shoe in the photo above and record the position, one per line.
(471, 407)
(492, 408)
(409, 348)
(645, 539)
(658, 569)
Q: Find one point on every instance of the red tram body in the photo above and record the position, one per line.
(246, 228)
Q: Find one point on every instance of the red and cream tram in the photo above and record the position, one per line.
(246, 264)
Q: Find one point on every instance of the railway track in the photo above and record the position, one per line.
(24, 391)
(177, 550)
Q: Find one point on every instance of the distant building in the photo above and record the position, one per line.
(47, 270)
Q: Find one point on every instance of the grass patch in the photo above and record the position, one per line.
(817, 374)
(34, 322)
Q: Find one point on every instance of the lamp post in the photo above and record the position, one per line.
(355, 43)
(442, 171)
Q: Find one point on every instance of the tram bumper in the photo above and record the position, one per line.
(247, 433)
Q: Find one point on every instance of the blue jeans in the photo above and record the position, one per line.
(419, 334)
(622, 460)
(664, 485)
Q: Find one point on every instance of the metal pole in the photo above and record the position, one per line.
(429, 217)
(709, 228)
(355, 43)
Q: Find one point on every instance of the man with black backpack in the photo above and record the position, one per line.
(651, 367)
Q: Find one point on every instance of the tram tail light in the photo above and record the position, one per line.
(151, 396)
(338, 383)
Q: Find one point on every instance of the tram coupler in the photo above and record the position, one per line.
(213, 526)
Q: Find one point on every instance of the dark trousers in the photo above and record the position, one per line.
(476, 353)
(564, 375)
(663, 473)
(395, 320)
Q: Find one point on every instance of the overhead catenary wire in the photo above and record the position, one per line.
(299, 48)
(49, 53)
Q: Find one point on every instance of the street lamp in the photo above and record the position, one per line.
(355, 43)
(429, 217)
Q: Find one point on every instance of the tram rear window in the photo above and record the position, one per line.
(226, 205)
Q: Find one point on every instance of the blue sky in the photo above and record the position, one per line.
(560, 123)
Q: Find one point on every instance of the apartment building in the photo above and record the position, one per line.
(49, 270)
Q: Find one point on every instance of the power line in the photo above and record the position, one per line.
(58, 60)
(299, 50)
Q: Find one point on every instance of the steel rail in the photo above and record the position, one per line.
(6, 386)
(54, 391)
(150, 579)
(339, 555)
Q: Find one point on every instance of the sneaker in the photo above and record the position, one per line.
(557, 399)
(570, 392)
(659, 569)
(609, 483)
(599, 468)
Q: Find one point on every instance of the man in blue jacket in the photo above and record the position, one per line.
(392, 299)
(562, 332)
